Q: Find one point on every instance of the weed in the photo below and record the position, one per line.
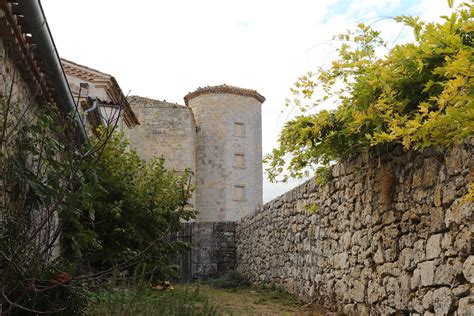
(231, 280)
(124, 301)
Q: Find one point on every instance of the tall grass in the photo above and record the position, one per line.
(133, 301)
(126, 298)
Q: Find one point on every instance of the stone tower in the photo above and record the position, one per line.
(228, 151)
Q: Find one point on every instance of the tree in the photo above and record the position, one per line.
(71, 214)
(418, 95)
(131, 209)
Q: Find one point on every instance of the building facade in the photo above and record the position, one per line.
(99, 96)
(217, 135)
(228, 151)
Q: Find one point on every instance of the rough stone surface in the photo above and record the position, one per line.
(166, 130)
(227, 187)
(433, 246)
(393, 236)
(466, 306)
(213, 251)
(218, 136)
(442, 301)
(24, 99)
(468, 269)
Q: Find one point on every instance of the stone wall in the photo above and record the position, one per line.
(23, 106)
(166, 130)
(389, 234)
(213, 250)
(22, 96)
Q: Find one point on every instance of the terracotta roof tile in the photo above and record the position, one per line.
(113, 89)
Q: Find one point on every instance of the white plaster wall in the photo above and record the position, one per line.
(109, 114)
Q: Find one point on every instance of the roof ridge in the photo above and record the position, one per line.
(224, 88)
(151, 100)
(85, 67)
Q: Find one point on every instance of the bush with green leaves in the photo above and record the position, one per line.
(417, 95)
(131, 207)
(71, 214)
(140, 299)
(40, 167)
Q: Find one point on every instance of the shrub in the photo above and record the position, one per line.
(417, 95)
(130, 209)
(140, 300)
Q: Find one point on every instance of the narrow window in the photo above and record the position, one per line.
(239, 193)
(239, 160)
(239, 129)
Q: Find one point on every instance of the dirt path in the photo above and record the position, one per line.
(256, 301)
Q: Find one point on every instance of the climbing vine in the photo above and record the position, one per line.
(417, 95)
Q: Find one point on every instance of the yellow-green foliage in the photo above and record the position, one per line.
(470, 193)
(312, 208)
(418, 95)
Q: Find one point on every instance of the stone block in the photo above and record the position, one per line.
(449, 193)
(468, 269)
(459, 212)
(438, 195)
(341, 260)
(442, 301)
(433, 246)
(445, 274)
(437, 220)
(358, 291)
(466, 306)
(406, 259)
(378, 256)
(454, 161)
(462, 244)
(426, 270)
(427, 300)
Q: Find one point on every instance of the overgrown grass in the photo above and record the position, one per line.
(125, 301)
(233, 281)
(231, 294)
(230, 280)
(274, 294)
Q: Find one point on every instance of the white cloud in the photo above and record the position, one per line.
(164, 49)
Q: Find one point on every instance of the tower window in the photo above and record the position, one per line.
(239, 129)
(239, 192)
(239, 160)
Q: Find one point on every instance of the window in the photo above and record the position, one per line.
(239, 160)
(239, 192)
(239, 129)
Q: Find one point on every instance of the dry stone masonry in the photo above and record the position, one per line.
(389, 234)
(213, 250)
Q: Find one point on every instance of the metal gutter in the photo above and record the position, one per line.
(38, 26)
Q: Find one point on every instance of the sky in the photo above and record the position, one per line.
(165, 49)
